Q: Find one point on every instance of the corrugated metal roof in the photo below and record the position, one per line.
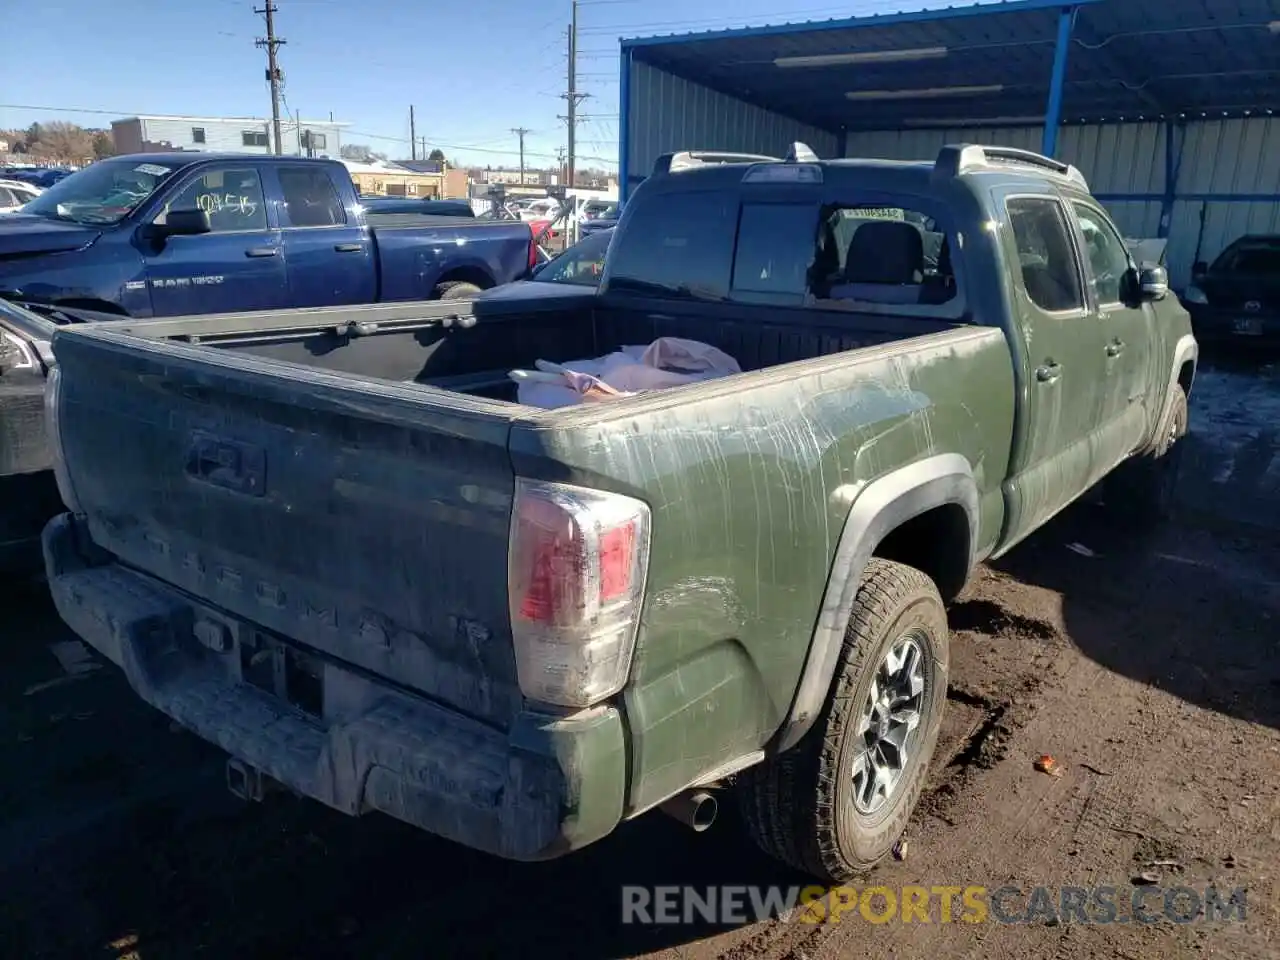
(991, 63)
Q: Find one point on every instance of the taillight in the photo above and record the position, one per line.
(533, 249)
(53, 425)
(576, 574)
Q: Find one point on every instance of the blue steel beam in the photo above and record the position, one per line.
(1053, 113)
(624, 123)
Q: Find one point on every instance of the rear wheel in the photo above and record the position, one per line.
(836, 803)
(1142, 491)
(457, 290)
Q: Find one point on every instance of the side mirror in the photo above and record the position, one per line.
(1153, 282)
(1199, 269)
(182, 223)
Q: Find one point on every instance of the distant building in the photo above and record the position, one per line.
(453, 181)
(156, 134)
(385, 179)
(532, 178)
(4, 146)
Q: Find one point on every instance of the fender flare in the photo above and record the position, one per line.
(1187, 348)
(881, 507)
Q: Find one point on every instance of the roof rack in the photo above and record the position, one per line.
(685, 159)
(956, 159)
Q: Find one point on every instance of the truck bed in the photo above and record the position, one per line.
(470, 348)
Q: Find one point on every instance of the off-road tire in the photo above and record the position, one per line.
(798, 806)
(457, 290)
(1141, 492)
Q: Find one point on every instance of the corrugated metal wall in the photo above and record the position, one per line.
(1231, 157)
(1235, 156)
(668, 113)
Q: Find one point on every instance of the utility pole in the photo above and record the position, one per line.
(274, 76)
(572, 96)
(520, 132)
(413, 137)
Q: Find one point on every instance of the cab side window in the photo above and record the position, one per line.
(1108, 257)
(232, 197)
(310, 199)
(1046, 260)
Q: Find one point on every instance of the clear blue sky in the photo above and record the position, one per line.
(472, 69)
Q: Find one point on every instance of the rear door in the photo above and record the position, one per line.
(1063, 360)
(329, 256)
(1129, 397)
(237, 266)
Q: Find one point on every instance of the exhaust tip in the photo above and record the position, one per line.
(696, 810)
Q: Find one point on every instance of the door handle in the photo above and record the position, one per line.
(262, 251)
(348, 247)
(1115, 348)
(1048, 372)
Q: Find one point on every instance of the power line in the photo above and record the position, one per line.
(274, 76)
(471, 148)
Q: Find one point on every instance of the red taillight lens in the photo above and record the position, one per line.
(576, 576)
(533, 249)
(617, 555)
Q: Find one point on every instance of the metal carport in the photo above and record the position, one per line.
(1166, 105)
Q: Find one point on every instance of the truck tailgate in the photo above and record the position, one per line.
(365, 520)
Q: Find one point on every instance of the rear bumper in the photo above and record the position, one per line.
(542, 788)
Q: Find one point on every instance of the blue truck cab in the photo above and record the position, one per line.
(167, 234)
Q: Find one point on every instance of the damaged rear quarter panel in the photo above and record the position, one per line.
(749, 481)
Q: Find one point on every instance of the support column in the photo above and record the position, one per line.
(624, 125)
(1175, 137)
(1053, 113)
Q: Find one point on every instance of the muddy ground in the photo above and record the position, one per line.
(1149, 669)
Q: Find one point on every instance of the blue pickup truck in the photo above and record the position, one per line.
(166, 234)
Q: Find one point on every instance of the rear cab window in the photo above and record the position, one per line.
(682, 246)
(881, 254)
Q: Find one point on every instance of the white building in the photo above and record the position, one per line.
(155, 134)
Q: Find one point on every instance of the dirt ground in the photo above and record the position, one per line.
(1149, 669)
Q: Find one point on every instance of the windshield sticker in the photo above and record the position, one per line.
(876, 213)
(151, 169)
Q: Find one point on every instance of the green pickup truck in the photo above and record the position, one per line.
(332, 541)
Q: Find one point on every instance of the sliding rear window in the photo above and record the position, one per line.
(874, 253)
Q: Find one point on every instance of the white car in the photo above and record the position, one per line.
(547, 209)
(14, 193)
